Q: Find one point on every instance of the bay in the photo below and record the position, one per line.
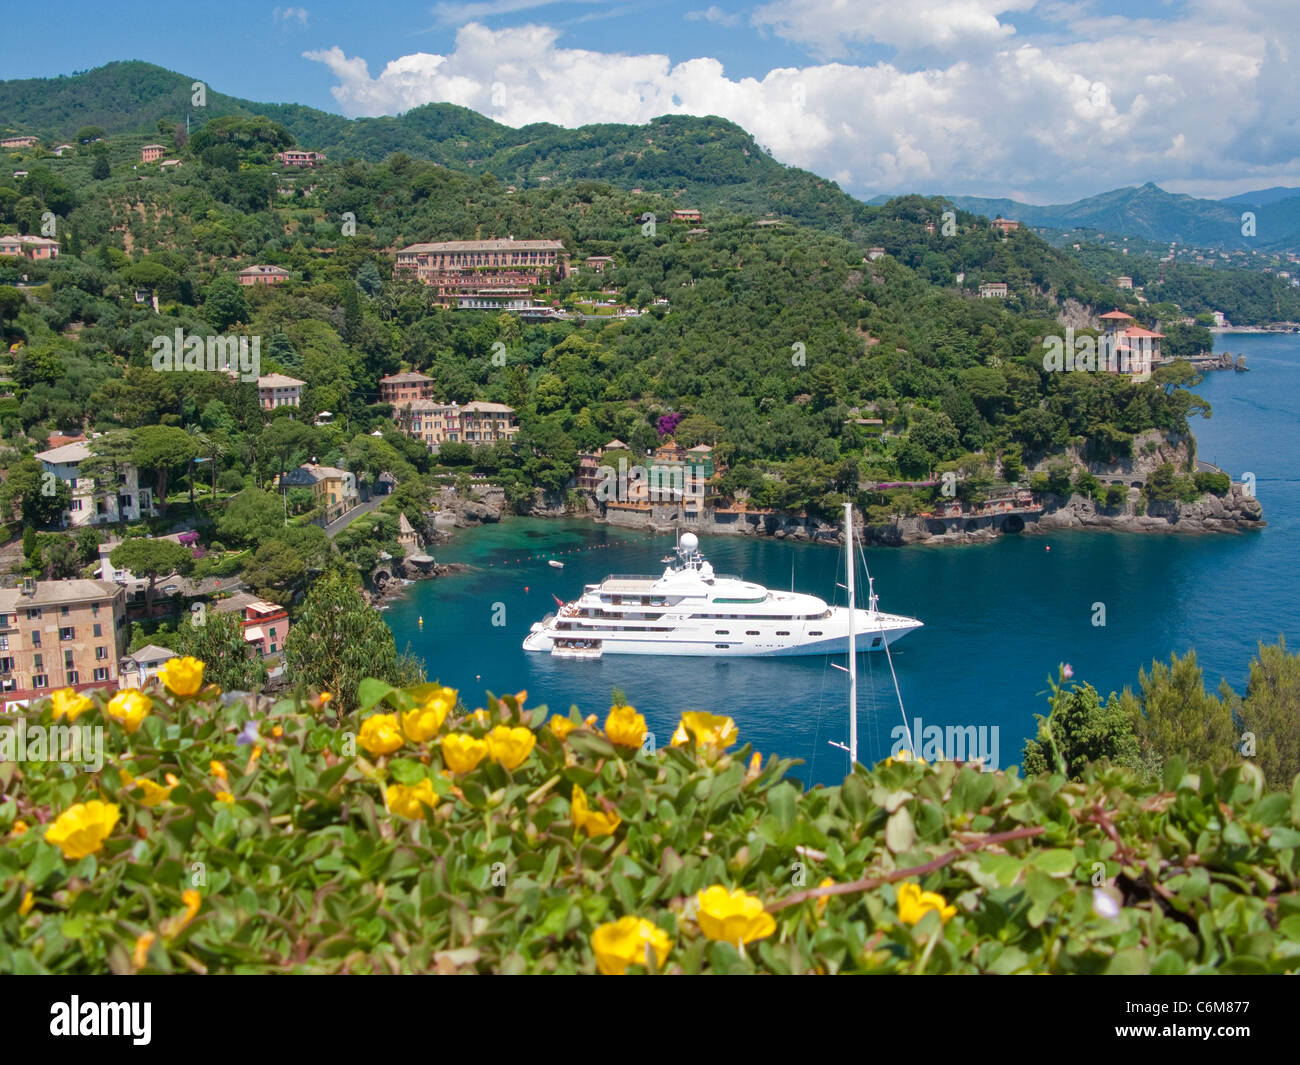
(999, 617)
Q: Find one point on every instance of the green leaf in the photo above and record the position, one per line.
(1054, 862)
(782, 803)
(900, 833)
(371, 691)
(856, 798)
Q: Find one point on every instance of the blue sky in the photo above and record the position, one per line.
(1045, 101)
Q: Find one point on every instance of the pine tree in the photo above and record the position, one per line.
(217, 639)
(1083, 729)
(1175, 715)
(338, 640)
(1270, 714)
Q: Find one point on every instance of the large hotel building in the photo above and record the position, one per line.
(59, 634)
(480, 274)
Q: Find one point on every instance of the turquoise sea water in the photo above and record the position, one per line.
(999, 617)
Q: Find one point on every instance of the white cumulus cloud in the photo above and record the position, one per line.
(1198, 102)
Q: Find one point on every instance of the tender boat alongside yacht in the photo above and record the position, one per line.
(690, 610)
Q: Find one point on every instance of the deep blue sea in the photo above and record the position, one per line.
(999, 617)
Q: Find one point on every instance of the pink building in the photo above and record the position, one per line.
(277, 390)
(266, 624)
(295, 157)
(405, 387)
(29, 247)
(263, 275)
(151, 153)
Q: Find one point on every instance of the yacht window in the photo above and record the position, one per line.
(720, 646)
(722, 632)
(875, 642)
(752, 632)
(814, 634)
(783, 633)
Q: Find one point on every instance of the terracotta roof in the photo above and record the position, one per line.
(1117, 315)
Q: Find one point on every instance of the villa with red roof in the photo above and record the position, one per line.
(1125, 347)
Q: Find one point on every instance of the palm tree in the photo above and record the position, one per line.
(204, 442)
(216, 448)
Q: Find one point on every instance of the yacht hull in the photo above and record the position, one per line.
(751, 638)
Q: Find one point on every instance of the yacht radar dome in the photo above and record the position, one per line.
(689, 542)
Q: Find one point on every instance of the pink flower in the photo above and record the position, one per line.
(1066, 671)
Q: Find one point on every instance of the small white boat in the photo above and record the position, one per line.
(556, 564)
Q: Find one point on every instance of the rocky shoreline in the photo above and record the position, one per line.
(1237, 511)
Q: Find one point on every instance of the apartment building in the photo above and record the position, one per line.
(335, 489)
(60, 634)
(485, 423)
(277, 390)
(93, 503)
(435, 422)
(151, 153)
(473, 270)
(405, 387)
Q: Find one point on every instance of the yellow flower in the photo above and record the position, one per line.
(70, 704)
(182, 676)
(325, 698)
(25, 907)
(140, 954)
(129, 708)
(821, 902)
(155, 793)
(408, 802)
(561, 726)
(596, 823)
(629, 941)
(226, 797)
(217, 770)
(461, 753)
(732, 916)
(625, 726)
(81, 829)
(380, 734)
(277, 731)
(423, 722)
(192, 900)
(510, 746)
(904, 755)
(482, 717)
(710, 730)
(19, 828)
(913, 904)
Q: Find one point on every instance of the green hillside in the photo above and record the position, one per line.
(1152, 213)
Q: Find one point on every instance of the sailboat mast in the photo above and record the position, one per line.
(853, 651)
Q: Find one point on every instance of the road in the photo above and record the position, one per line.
(339, 524)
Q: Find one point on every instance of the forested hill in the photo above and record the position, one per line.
(705, 162)
(1151, 213)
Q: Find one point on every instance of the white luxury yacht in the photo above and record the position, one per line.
(690, 610)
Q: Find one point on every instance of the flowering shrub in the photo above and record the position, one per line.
(233, 833)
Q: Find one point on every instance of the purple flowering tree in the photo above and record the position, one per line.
(668, 423)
